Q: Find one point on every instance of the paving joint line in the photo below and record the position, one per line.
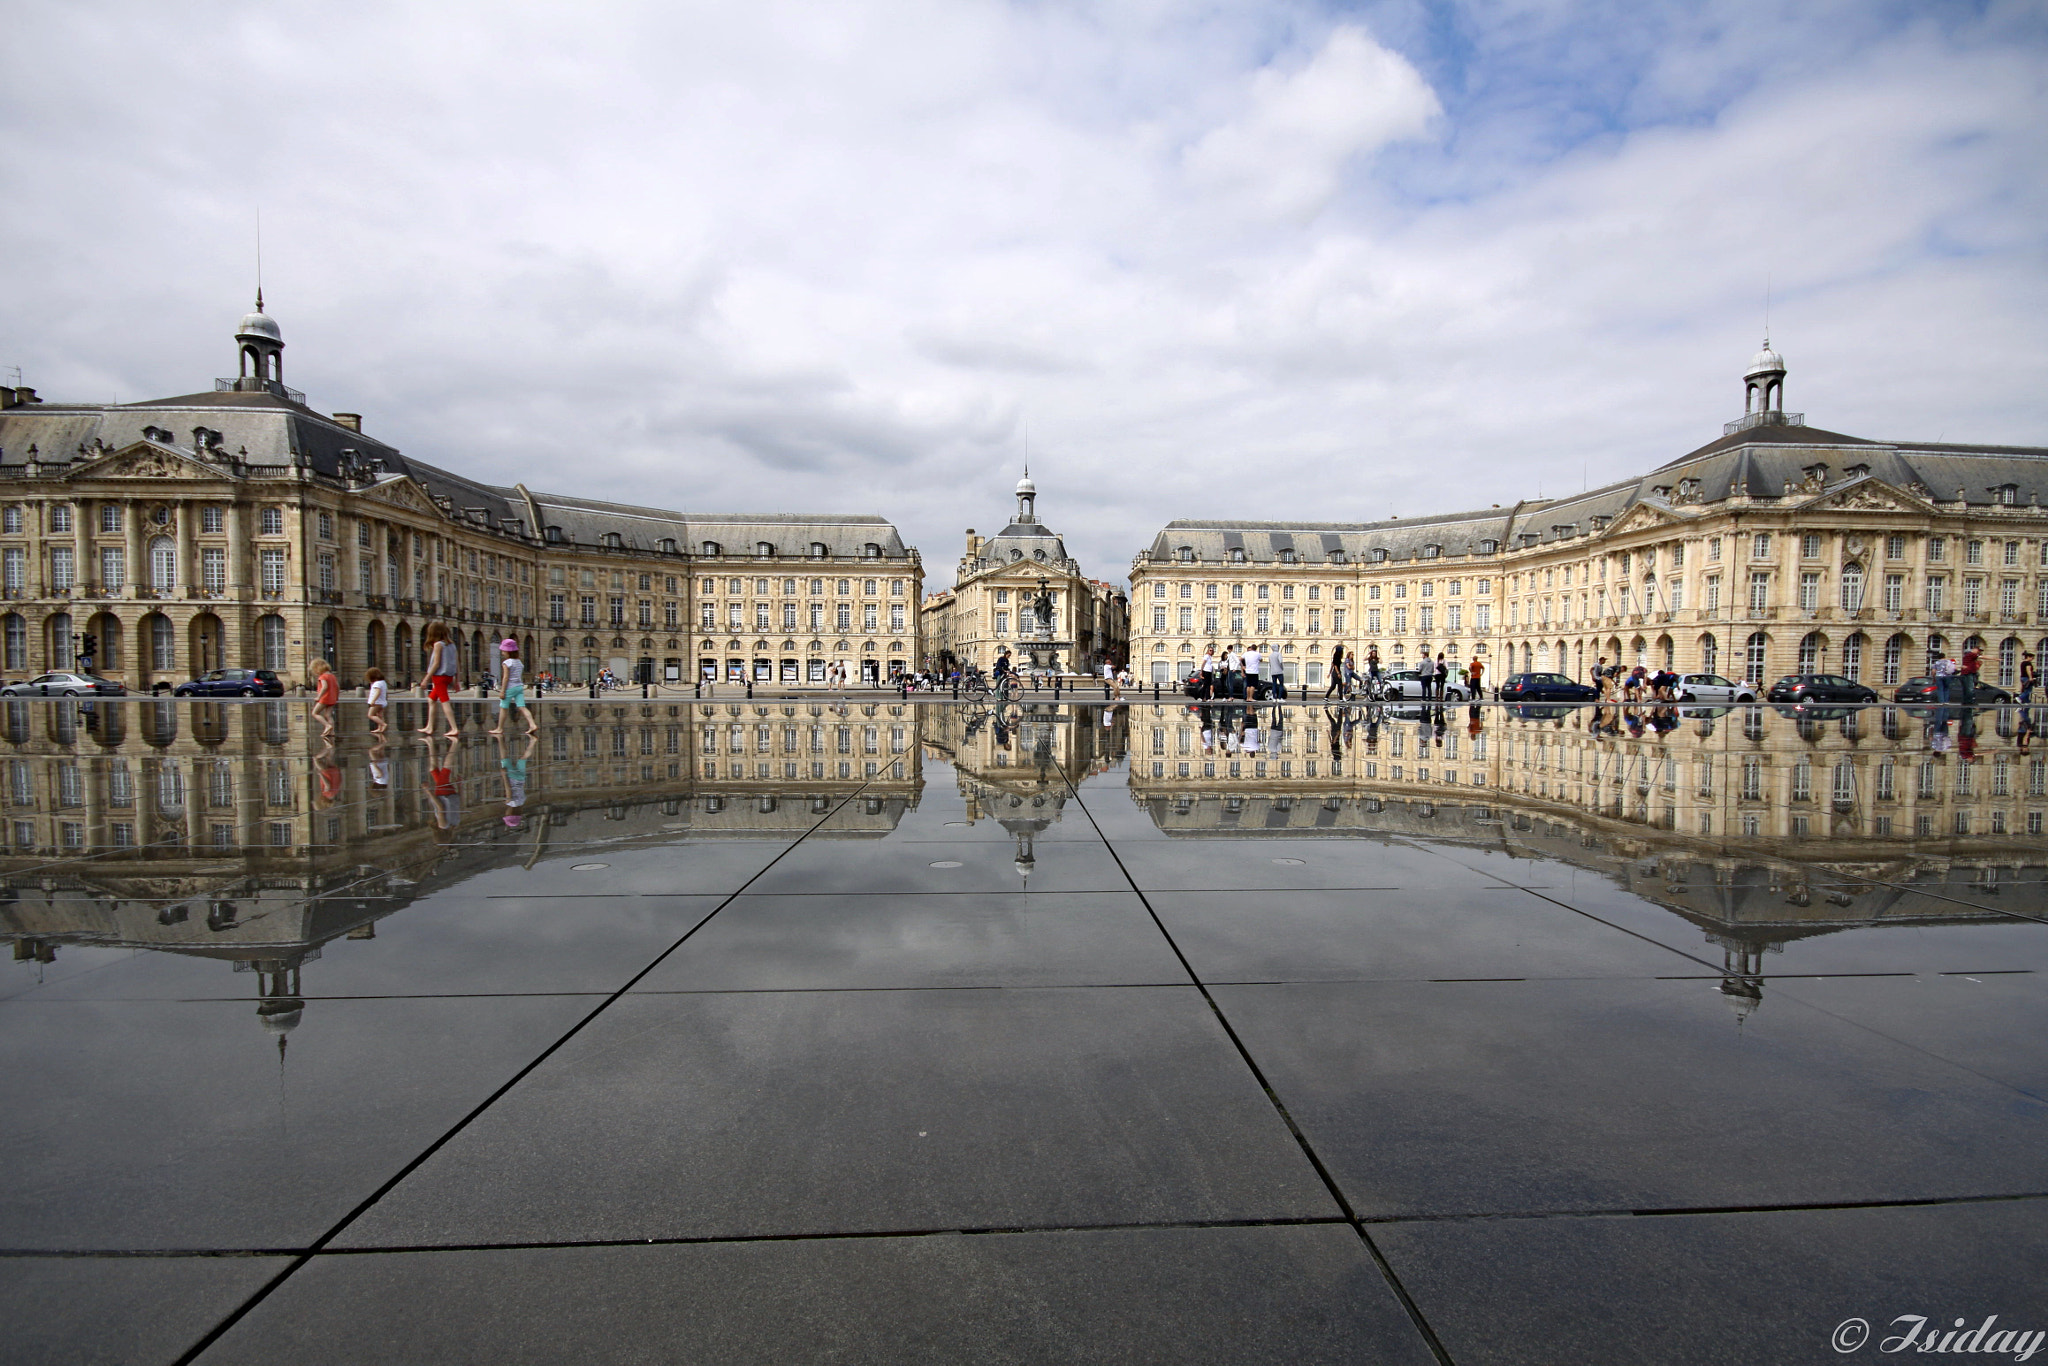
(1386, 1269)
(419, 1159)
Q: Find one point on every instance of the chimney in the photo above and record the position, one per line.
(6, 398)
(352, 421)
(973, 544)
(24, 394)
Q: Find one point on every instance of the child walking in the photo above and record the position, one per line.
(378, 695)
(512, 688)
(326, 694)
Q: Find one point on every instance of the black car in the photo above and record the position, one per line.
(1533, 687)
(65, 683)
(233, 683)
(1819, 688)
(1921, 690)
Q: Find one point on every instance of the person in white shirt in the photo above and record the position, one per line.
(512, 688)
(1252, 661)
(378, 695)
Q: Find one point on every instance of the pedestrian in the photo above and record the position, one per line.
(512, 689)
(1944, 671)
(1254, 664)
(1372, 665)
(2027, 677)
(1443, 672)
(1966, 671)
(1350, 674)
(1425, 672)
(440, 676)
(1276, 676)
(326, 694)
(1473, 672)
(378, 695)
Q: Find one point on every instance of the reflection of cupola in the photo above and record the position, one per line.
(262, 351)
(279, 1006)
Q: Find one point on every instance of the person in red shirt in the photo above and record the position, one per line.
(326, 694)
(1966, 672)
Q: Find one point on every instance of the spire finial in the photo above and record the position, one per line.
(259, 259)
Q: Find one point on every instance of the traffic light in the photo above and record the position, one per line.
(89, 646)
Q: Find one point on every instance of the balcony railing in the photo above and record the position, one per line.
(247, 385)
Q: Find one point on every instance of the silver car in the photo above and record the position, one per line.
(1714, 688)
(64, 683)
(1405, 685)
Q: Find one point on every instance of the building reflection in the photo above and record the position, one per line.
(238, 832)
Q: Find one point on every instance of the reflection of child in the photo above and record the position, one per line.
(512, 688)
(378, 694)
(380, 767)
(326, 694)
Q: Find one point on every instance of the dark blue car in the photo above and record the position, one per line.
(233, 683)
(1533, 687)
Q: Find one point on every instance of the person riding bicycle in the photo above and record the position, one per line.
(1005, 673)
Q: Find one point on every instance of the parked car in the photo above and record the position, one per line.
(233, 683)
(1819, 688)
(65, 683)
(1714, 688)
(1535, 687)
(1405, 685)
(1921, 690)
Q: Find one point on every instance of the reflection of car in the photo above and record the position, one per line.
(233, 683)
(64, 683)
(1534, 687)
(1713, 688)
(1405, 685)
(1819, 688)
(1815, 711)
(1526, 713)
(1921, 689)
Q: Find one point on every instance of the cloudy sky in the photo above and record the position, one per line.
(1209, 259)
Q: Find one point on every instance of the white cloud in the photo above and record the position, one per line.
(1232, 261)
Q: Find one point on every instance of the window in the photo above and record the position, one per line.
(1754, 659)
(1895, 592)
(2009, 597)
(60, 517)
(1760, 546)
(113, 569)
(14, 569)
(1713, 592)
(273, 637)
(1973, 552)
(270, 522)
(110, 516)
(1810, 648)
(10, 520)
(14, 642)
(1809, 545)
(1710, 655)
(1759, 593)
(586, 610)
(1002, 622)
(558, 610)
(1937, 549)
(1809, 591)
(1852, 587)
(1852, 658)
(1894, 659)
(1895, 546)
(63, 567)
(1973, 596)
(270, 570)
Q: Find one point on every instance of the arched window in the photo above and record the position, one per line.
(1753, 663)
(14, 643)
(1528, 658)
(711, 548)
(765, 549)
(1852, 658)
(1894, 659)
(2009, 662)
(1811, 647)
(1710, 655)
(1852, 587)
(163, 563)
(161, 640)
(1937, 646)
(271, 630)
(330, 642)
(1649, 592)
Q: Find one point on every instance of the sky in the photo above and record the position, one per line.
(1272, 261)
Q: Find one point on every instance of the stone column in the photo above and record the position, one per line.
(132, 521)
(188, 579)
(241, 575)
(81, 540)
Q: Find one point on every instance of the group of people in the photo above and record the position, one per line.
(1239, 674)
(1641, 684)
(441, 670)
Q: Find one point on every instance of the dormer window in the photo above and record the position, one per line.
(1038, 554)
(1379, 554)
(1016, 555)
(1857, 471)
(552, 535)
(872, 551)
(711, 549)
(1287, 557)
(1430, 552)
(1337, 557)
(668, 545)
(1187, 554)
(614, 541)
(2008, 494)
(819, 550)
(1237, 554)
(765, 549)
(1489, 547)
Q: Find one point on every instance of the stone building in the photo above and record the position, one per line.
(1021, 590)
(1775, 548)
(239, 527)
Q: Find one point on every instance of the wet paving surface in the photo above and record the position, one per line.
(777, 1030)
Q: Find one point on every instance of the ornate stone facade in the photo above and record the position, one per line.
(241, 528)
(1777, 548)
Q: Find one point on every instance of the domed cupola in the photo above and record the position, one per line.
(1027, 499)
(1763, 384)
(261, 344)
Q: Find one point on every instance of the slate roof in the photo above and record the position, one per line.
(265, 429)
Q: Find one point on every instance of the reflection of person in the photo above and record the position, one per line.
(380, 766)
(514, 772)
(444, 792)
(327, 769)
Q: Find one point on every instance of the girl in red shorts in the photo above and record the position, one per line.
(440, 676)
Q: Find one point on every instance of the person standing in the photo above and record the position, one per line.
(1443, 673)
(1372, 665)
(1336, 672)
(440, 676)
(1473, 673)
(1966, 672)
(1426, 673)
(1276, 675)
(1944, 670)
(2027, 677)
(1253, 664)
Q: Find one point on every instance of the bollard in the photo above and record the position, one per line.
(1155, 692)
(1056, 688)
(697, 690)
(593, 690)
(750, 690)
